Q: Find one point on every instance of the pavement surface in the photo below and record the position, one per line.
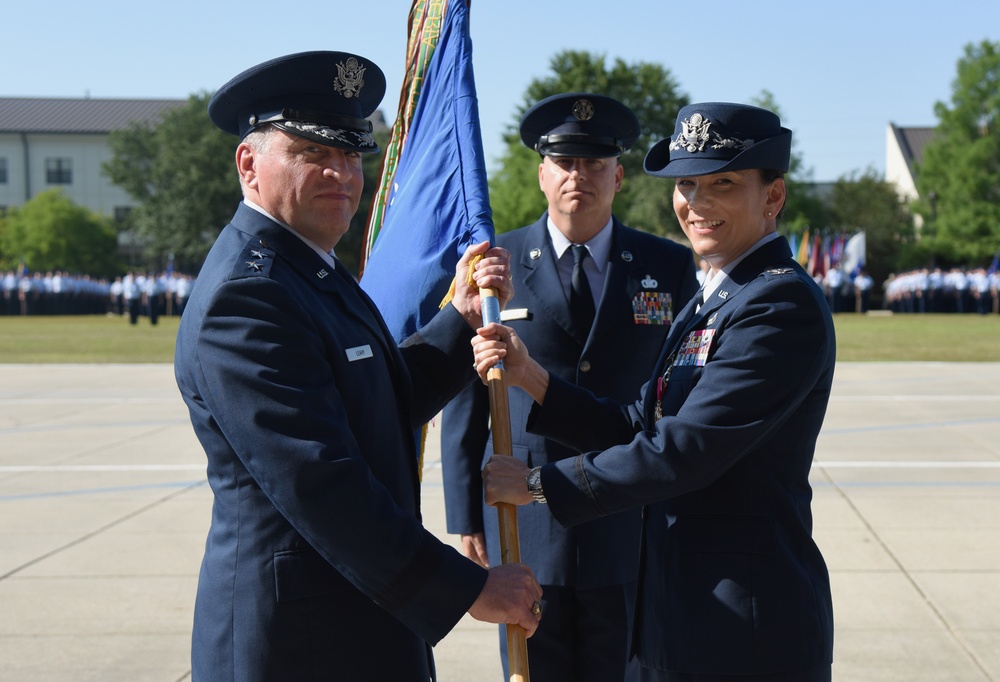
(104, 509)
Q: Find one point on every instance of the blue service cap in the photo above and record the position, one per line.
(713, 137)
(581, 125)
(323, 96)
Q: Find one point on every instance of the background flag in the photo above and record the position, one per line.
(815, 266)
(803, 255)
(854, 254)
(433, 200)
(837, 249)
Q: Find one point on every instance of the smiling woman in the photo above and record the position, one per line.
(724, 214)
(717, 449)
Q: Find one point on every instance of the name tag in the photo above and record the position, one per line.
(359, 353)
(515, 314)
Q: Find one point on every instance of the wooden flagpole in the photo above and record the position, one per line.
(510, 548)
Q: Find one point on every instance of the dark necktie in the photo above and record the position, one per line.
(581, 301)
(699, 299)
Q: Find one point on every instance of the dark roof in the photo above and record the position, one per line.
(912, 142)
(43, 115)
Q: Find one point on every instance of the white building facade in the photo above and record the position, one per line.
(62, 143)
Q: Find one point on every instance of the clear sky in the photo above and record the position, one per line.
(839, 71)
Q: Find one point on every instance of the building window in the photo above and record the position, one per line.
(59, 171)
(3, 171)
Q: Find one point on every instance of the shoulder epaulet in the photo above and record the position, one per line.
(779, 271)
(255, 260)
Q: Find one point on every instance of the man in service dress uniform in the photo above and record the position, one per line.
(632, 283)
(316, 565)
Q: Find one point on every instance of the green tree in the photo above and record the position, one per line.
(866, 202)
(803, 207)
(182, 172)
(50, 232)
(961, 165)
(351, 245)
(648, 89)
(183, 175)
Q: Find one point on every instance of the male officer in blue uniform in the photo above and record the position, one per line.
(719, 446)
(316, 565)
(635, 282)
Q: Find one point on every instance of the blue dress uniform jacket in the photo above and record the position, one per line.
(316, 564)
(731, 581)
(615, 360)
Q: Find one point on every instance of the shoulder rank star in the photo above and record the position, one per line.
(253, 265)
(257, 254)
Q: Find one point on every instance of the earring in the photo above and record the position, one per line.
(768, 214)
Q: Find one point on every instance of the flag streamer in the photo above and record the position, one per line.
(431, 204)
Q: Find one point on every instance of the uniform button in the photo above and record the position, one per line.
(585, 366)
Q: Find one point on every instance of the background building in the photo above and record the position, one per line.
(903, 148)
(49, 143)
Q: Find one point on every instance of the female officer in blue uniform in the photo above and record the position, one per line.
(316, 565)
(718, 448)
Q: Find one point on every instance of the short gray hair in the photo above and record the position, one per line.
(259, 139)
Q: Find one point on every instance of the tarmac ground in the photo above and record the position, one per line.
(104, 508)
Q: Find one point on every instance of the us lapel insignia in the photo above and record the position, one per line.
(322, 273)
(627, 256)
(535, 254)
(723, 295)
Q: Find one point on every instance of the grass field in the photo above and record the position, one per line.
(94, 339)
(86, 339)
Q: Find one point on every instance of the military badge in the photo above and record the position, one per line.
(350, 78)
(694, 134)
(583, 110)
